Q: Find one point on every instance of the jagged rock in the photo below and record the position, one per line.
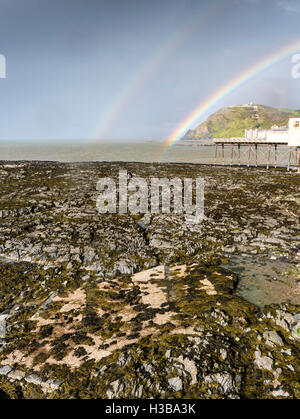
(16, 375)
(49, 300)
(142, 225)
(159, 243)
(96, 266)
(283, 319)
(225, 380)
(3, 344)
(262, 362)
(53, 384)
(280, 393)
(223, 354)
(175, 383)
(272, 338)
(190, 367)
(35, 379)
(138, 392)
(122, 267)
(3, 326)
(114, 388)
(295, 332)
(148, 368)
(5, 370)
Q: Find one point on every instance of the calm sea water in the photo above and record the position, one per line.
(264, 281)
(140, 151)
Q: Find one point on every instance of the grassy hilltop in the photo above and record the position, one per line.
(232, 121)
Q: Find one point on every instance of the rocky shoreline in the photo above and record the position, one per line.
(142, 306)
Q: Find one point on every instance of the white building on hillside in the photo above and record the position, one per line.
(289, 136)
(294, 132)
(274, 135)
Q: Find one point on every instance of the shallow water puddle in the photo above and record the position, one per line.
(264, 281)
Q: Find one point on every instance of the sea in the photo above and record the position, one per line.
(132, 150)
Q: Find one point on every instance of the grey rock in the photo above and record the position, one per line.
(95, 266)
(34, 379)
(168, 353)
(122, 359)
(89, 254)
(49, 300)
(295, 332)
(296, 317)
(283, 319)
(160, 244)
(223, 354)
(5, 370)
(114, 389)
(3, 318)
(262, 362)
(3, 344)
(122, 267)
(2, 328)
(142, 225)
(16, 375)
(148, 368)
(138, 392)
(99, 372)
(53, 384)
(280, 393)
(175, 383)
(225, 380)
(272, 338)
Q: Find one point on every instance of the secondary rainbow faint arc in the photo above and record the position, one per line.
(228, 88)
(139, 77)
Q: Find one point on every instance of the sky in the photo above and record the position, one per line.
(135, 69)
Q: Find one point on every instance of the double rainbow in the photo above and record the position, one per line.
(149, 66)
(238, 81)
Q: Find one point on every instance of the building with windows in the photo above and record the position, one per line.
(274, 135)
(264, 146)
(294, 132)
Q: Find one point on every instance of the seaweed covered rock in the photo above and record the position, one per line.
(176, 332)
(129, 306)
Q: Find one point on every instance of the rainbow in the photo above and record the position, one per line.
(148, 67)
(229, 87)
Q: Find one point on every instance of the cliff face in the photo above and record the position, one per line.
(232, 121)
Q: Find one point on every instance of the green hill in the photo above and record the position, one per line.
(232, 121)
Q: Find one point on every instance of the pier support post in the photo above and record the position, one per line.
(256, 155)
(239, 153)
(269, 153)
(249, 151)
(249, 154)
(216, 153)
(275, 152)
(289, 162)
(223, 155)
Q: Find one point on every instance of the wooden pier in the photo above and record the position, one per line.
(255, 148)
